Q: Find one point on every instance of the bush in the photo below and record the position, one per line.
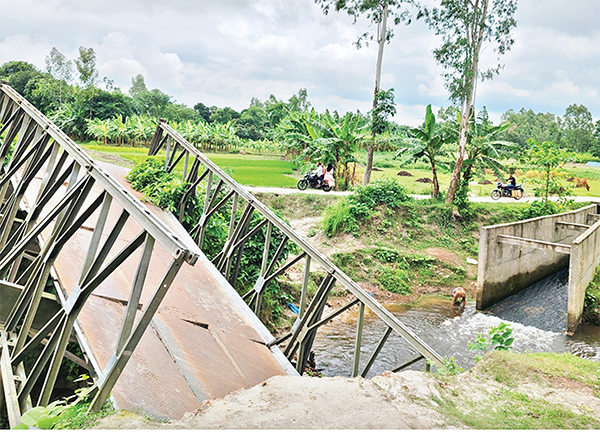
(539, 208)
(346, 214)
(393, 279)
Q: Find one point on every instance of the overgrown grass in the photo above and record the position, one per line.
(511, 408)
(396, 271)
(297, 206)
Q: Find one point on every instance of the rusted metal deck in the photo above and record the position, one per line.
(204, 342)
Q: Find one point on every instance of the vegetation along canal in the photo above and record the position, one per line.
(537, 316)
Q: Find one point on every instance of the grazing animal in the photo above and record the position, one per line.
(582, 182)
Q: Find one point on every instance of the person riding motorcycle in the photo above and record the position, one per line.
(320, 172)
(511, 184)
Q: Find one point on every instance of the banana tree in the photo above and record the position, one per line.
(484, 148)
(325, 138)
(425, 142)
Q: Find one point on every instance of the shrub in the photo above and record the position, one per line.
(393, 279)
(346, 214)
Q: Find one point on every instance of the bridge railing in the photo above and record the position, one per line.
(222, 194)
(49, 188)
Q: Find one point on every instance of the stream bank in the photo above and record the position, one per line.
(503, 391)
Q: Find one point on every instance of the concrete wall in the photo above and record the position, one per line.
(507, 269)
(585, 257)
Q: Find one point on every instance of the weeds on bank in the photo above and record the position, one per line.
(507, 407)
(62, 414)
(395, 271)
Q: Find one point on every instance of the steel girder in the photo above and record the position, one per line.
(203, 177)
(49, 188)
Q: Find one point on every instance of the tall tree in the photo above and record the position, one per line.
(579, 128)
(61, 69)
(138, 86)
(377, 12)
(203, 110)
(527, 124)
(300, 101)
(86, 66)
(465, 25)
(58, 66)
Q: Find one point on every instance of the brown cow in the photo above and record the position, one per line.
(582, 182)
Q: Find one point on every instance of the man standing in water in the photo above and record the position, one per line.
(459, 296)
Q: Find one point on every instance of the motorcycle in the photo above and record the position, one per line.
(311, 179)
(502, 191)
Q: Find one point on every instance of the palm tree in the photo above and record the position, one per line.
(425, 142)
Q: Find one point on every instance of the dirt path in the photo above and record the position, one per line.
(483, 199)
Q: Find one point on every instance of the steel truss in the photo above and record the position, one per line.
(48, 189)
(220, 191)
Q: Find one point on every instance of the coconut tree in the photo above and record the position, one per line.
(425, 142)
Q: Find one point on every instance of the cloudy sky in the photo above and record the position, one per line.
(225, 52)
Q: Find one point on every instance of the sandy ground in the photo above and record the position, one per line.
(407, 400)
(390, 401)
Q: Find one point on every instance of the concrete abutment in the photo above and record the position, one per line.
(516, 255)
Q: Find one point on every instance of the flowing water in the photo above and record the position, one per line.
(537, 316)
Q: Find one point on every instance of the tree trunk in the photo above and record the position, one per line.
(381, 41)
(477, 38)
(436, 185)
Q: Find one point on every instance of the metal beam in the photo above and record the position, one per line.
(389, 319)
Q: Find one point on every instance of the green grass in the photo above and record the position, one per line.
(249, 170)
(396, 271)
(511, 408)
(272, 171)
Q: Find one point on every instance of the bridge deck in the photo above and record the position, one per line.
(204, 342)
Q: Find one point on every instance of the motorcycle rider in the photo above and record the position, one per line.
(511, 184)
(320, 172)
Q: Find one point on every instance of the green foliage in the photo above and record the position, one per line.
(465, 27)
(393, 279)
(425, 143)
(499, 338)
(41, 417)
(381, 192)
(348, 213)
(328, 138)
(450, 367)
(62, 414)
(547, 157)
(539, 208)
(396, 271)
(166, 191)
(527, 124)
(591, 305)
(384, 107)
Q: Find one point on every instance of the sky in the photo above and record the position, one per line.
(225, 52)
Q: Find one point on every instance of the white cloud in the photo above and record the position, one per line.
(225, 52)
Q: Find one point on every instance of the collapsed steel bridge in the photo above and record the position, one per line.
(53, 195)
